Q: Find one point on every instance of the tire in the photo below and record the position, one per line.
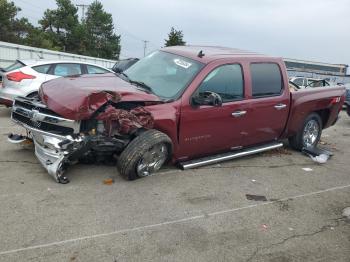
(348, 109)
(144, 155)
(298, 141)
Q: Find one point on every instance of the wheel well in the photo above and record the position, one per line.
(324, 115)
(32, 94)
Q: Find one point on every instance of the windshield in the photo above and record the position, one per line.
(166, 74)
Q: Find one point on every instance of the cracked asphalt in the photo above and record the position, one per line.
(194, 215)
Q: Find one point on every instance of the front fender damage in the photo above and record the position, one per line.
(121, 122)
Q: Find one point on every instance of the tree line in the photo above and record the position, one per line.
(60, 29)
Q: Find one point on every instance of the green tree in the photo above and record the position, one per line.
(12, 29)
(60, 25)
(175, 37)
(101, 39)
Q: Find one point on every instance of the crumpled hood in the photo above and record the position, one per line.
(78, 97)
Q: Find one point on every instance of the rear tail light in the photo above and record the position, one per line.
(335, 100)
(18, 76)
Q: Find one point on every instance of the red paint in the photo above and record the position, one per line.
(19, 76)
(203, 130)
(79, 97)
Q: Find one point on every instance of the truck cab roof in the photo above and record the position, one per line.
(212, 53)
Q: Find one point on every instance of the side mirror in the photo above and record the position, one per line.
(207, 98)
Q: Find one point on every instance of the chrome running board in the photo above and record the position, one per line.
(228, 156)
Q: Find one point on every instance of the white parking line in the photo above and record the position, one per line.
(127, 230)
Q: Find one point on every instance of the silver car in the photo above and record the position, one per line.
(24, 77)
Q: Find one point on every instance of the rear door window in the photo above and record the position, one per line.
(96, 70)
(67, 69)
(226, 80)
(42, 68)
(266, 79)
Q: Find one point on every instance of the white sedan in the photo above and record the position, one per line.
(24, 78)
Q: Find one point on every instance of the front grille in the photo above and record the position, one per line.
(26, 103)
(36, 115)
(60, 130)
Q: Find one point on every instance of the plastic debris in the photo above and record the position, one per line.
(346, 212)
(264, 227)
(321, 159)
(253, 180)
(256, 197)
(108, 181)
(290, 228)
(307, 169)
(318, 155)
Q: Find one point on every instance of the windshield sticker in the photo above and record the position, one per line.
(182, 63)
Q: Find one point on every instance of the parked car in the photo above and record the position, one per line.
(347, 99)
(24, 77)
(192, 105)
(124, 64)
(305, 82)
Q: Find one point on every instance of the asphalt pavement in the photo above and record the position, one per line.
(195, 215)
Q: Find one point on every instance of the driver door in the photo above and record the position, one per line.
(206, 129)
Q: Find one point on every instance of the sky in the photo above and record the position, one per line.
(315, 30)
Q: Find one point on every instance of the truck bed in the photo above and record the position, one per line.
(327, 101)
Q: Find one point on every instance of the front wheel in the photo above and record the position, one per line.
(144, 155)
(309, 134)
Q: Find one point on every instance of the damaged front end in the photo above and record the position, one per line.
(60, 142)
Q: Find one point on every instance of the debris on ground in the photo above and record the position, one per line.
(346, 212)
(108, 181)
(318, 155)
(278, 151)
(264, 227)
(307, 169)
(256, 197)
(321, 159)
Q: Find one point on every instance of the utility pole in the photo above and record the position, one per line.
(144, 47)
(82, 11)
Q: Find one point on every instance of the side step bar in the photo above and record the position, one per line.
(228, 156)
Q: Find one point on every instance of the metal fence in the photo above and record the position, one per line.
(11, 52)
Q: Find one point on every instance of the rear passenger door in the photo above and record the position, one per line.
(269, 104)
(65, 69)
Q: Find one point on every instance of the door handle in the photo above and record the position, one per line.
(280, 106)
(238, 113)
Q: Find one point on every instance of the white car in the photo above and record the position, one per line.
(24, 78)
(305, 82)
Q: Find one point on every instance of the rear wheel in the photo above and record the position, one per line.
(309, 134)
(144, 155)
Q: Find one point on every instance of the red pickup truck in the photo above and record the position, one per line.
(193, 105)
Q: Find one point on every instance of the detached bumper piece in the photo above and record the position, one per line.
(52, 135)
(53, 153)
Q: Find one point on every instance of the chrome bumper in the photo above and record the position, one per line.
(53, 151)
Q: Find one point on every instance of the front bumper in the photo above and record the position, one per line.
(55, 139)
(53, 152)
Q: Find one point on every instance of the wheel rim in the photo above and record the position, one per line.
(152, 160)
(311, 132)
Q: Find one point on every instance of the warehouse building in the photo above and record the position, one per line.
(332, 72)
